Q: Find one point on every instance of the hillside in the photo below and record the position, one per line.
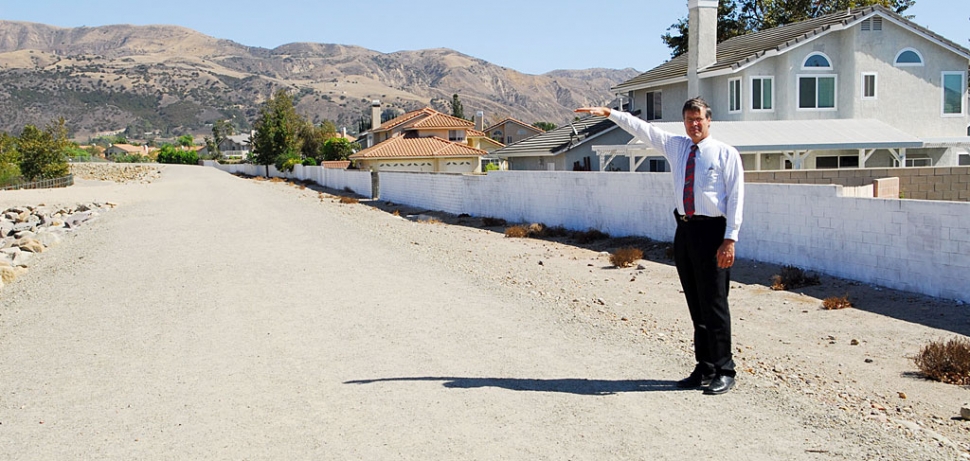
(168, 80)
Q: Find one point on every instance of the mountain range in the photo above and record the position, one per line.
(165, 81)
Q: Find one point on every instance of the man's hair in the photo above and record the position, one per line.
(697, 105)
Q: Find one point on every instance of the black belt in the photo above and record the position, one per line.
(696, 217)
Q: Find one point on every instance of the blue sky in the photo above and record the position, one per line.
(531, 36)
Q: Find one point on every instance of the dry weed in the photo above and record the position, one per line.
(947, 362)
(349, 200)
(536, 229)
(397, 213)
(792, 278)
(277, 180)
(836, 302)
(517, 232)
(626, 257)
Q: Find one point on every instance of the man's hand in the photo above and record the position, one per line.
(597, 111)
(725, 254)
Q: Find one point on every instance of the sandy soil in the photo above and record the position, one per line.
(216, 317)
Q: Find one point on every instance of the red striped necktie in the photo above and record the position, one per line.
(689, 182)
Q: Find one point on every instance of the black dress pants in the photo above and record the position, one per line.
(706, 289)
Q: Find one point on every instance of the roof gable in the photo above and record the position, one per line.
(563, 138)
(513, 121)
(742, 51)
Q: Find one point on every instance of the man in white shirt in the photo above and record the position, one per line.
(708, 215)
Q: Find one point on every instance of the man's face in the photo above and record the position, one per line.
(697, 125)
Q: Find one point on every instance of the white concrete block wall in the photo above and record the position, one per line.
(913, 245)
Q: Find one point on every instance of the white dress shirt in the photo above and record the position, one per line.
(718, 174)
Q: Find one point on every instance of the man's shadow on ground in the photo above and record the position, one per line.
(565, 385)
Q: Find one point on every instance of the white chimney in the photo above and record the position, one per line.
(702, 41)
(480, 121)
(375, 114)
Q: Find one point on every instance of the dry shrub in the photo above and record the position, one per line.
(277, 180)
(626, 257)
(836, 302)
(259, 178)
(430, 220)
(397, 213)
(591, 235)
(349, 200)
(517, 232)
(669, 253)
(493, 222)
(947, 362)
(792, 278)
(536, 229)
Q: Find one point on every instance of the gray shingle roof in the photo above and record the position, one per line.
(558, 140)
(739, 51)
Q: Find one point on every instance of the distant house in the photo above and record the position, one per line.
(237, 146)
(423, 140)
(510, 131)
(862, 88)
(125, 149)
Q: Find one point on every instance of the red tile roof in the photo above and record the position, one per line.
(424, 118)
(411, 147)
(336, 164)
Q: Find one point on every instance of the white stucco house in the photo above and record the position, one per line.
(862, 88)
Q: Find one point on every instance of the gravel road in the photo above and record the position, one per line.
(215, 317)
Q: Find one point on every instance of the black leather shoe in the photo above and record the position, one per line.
(694, 381)
(720, 385)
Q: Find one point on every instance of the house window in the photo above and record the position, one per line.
(816, 92)
(837, 161)
(734, 91)
(762, 93)
(817, 61)
(497, 135)
(917, 162)
(868, 86)
(908, 57)
(953, 92)
(654, 105)
(508, 140)
(964, 160)
(658, 165)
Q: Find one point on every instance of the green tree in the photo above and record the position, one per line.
(338, 149)
(275, 138)
(456, 108)
(545, 126)
(43, 153)
(221, 130)
(186, 140)
(739, 17)
(9, 160)
(729, 24)
(311, 141)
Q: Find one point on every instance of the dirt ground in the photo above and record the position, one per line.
(219, 317)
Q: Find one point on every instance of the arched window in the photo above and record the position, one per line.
(908, 57)
(817, 61)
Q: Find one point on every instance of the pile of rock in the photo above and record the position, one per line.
(28, 230)
(117, 172)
